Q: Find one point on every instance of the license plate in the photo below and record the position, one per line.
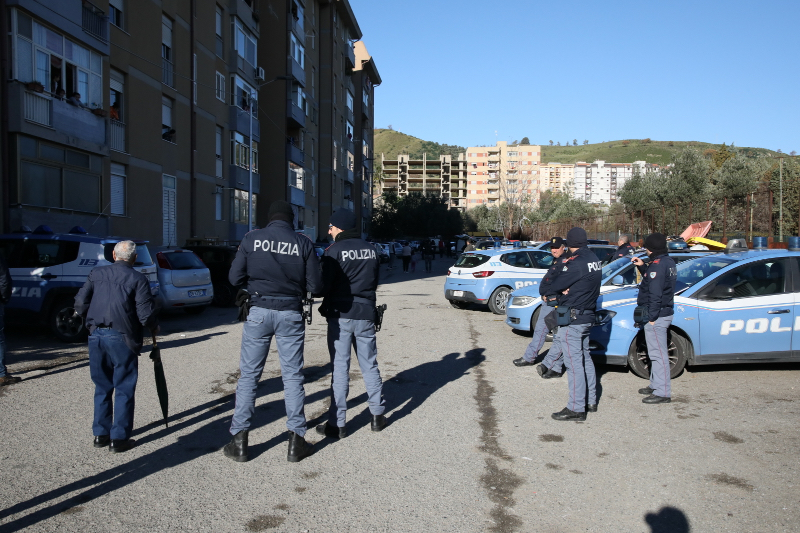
(201, 292)
(458, 293)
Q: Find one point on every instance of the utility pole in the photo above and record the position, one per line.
(780, 203)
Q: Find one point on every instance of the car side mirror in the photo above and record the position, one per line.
(722, 292)
(618, 280)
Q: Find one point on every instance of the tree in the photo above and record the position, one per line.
(780, 151)
(574, 142)
(585, 142)
(793, 153)
(738, 176)
(551, 143)
(557, 144)
(720, 156)
(389, 127)
(525, 141)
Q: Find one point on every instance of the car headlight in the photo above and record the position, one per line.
(523, 301)
(603, 316)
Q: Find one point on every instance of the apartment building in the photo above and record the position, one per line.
(444, 177)
(503, 173)
(181, 99)
(556, 177)
(599, 182)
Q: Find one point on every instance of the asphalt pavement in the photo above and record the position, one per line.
(470, 445)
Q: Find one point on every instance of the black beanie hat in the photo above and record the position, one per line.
(656, 243)
(280, 210)
(344, 219)
(576, 238)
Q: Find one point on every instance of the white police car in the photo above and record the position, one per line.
(489, 276)
(47, 270)
(522, 312)
(730, 307)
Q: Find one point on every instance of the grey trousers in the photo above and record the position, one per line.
(343, 333)
(554, 360)
(288, 328)
(539, 334)
(658, 351)
(581, 374)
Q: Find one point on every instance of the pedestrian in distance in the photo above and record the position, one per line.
(441, 248)
(414, 255)
(5, 295)
(406, 257)
(350, 279)
(656, 297)
(116, 305)
(392, 255)
(624, 246)
(428, 254)
(279, 267)
(557, 249)
(579, 285)
(470, 247)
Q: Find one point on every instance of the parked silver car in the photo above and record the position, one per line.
(185, 282)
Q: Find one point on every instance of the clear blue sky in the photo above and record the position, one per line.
(457, 71)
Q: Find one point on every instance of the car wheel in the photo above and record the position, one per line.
(224, 295)
(639, 361)
(458, 305)
(63, 325)
(499, 300)
(535, 318)
(196, 310)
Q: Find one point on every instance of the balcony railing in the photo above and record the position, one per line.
(167, 72)
(38, 108)
(95, 21)
(118, 136)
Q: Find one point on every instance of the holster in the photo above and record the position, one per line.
(550, 322)
(379, 310)
(641, 315)
(244, 303)
(564, 316)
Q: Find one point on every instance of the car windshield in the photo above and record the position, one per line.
(471, 260)
(696, 270)
(184, 260)
(613, 266)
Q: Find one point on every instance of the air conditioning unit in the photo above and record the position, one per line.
(259, 74)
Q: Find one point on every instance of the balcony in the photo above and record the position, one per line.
(239, 120)
(364, 111)
(494, 193)
(350, 57)
(94, 21)
(38, 108)
(296, 116)
(350, 175)
(297, 72)
(294, 154)
(117, 140)
(167, 72)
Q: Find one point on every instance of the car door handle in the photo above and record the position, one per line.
(49, 276)
(778, 311)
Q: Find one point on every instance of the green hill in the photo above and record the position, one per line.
(391, 143)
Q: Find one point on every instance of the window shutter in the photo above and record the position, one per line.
(117, 4)
(117, 194)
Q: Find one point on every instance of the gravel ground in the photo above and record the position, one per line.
(470, 444)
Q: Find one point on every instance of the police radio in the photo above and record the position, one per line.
(308, 302)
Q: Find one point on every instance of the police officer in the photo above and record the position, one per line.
(116, 305)
(557, 248)
(280, 267)
(656, 294)
(579, 285)
(350, 279)
(624, 246)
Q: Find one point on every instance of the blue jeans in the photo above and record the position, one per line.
(2, 341)
(342, 334)
(288, 328)
(114, 368)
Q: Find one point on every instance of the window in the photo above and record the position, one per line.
(219, 86)
(240, 150)
(168, 210)
(218, 29)
(116, 94)
(335, 155)
(218, 151)
(245, 43)
(167, 131)
(297, 15)
(115, 11)
(349, 130)
(167, 69)
(241, 206)
(764, 278)
(297, 51)
(243, 95)
(313, 82)
(299, 98)
(118, 191)
(296, 175)
(218, 191)
(365, 99)
(350, 161)
(57, 63)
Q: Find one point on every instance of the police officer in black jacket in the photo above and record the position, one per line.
(656, 295)
(279, 266)
(350, 278)
(624, 245)
(579, 286)
(540, 330)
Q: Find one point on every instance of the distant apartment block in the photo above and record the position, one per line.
(600, 182)
(444, 177)
(556, 177)
(502, 173)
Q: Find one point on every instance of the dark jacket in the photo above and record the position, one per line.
(350, 269)
(552, 273)
(657, 289)
(622, 251)
(5, 282)
(279, 265)
(118, 297)
(581, 273)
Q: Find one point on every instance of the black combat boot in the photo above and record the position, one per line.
(378, 422)
(236, 449)
(298, 448)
